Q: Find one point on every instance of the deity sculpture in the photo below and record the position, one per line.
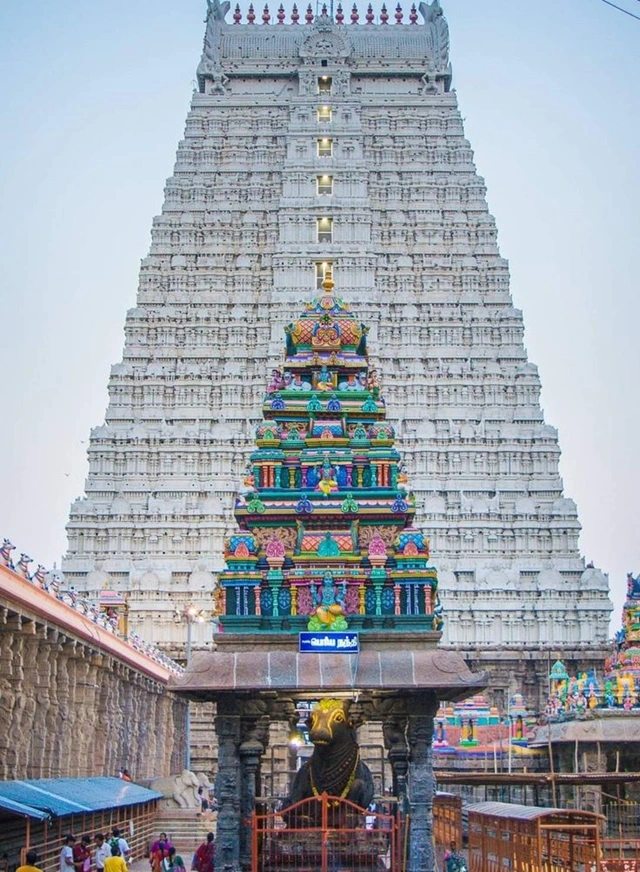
(372, 383)
(277, 382)
(351, 383)
(298, 383)
(633, 586)
(328, 602)
(290, 341)
(362, 345)
(325, 380)
(327, 483)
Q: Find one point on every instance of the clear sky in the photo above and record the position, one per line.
(93, 101)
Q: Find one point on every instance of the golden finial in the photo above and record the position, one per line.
(328, 284)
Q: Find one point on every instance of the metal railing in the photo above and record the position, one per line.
(324, 834)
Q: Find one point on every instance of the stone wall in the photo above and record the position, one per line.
(69, 709)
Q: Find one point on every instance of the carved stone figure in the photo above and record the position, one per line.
(435, 20)
(329, 603)
(335, 766)
(633, 586)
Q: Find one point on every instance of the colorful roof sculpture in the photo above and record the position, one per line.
(471, 727)
(325, 538)
(621, 686)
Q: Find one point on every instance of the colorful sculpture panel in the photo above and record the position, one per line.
(325, 538)
(621, 686)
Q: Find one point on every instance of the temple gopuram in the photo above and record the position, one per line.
(326, 538)
(327, 601)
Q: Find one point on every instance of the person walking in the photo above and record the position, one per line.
(82, 854)
(454, 859)
(123, 845)
(169, 861)
(103, 850)
(66, 854)
(204, 802)
(30, 865)
(159, 850)
(161, 838)
(205, 855)
(115, 863)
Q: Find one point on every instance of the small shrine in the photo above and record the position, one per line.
(592, 724)
(620, 688)
(472, 729)
(325, 537)
(328, 604)
(113, 604)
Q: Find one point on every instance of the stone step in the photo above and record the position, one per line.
(185, 828)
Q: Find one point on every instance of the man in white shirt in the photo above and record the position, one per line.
(103, 850)
(66, 854)
(125, 850)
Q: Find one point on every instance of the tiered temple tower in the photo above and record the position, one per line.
(317, 144)
(325, 539)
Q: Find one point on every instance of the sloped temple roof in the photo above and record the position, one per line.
(442, 672)
(45, 798)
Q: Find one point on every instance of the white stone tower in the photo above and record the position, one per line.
(316, 142)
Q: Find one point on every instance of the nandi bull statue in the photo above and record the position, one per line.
(5, 553)
(335, 766)
(22, 566)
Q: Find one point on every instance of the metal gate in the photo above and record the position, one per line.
(326, 834)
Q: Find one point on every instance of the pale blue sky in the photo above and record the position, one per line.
(94, 97)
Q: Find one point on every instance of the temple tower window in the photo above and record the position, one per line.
(324, 229)
(324, 185)
(325, 147)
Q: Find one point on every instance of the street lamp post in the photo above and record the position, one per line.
(192, 615)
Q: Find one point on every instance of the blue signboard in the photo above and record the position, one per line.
(335, 643)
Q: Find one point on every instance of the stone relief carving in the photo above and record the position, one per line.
(217, 11)
(429, 83)
(437, 23)
(209, 66)
(306, 84)
(323, 44)
(341, 83)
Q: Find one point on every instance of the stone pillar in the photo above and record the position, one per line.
(255, 737)
(228, 785)
(394, 729)
(421, 782)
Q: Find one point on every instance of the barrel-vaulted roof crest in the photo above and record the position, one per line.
(272, 41)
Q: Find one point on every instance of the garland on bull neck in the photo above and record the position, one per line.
(334, 775)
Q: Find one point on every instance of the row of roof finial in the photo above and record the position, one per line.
(51, 582)
(339, 16)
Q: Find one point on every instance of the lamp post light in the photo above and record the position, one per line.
(192, 615)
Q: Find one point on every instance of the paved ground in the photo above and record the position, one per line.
(142, 865)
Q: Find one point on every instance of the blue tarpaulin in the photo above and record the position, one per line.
(55, 797)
